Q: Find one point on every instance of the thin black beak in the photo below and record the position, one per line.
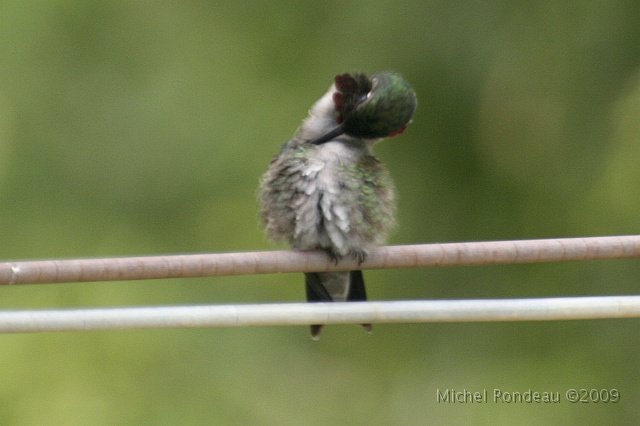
(330, 135)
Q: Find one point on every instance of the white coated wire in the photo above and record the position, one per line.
(569, 308)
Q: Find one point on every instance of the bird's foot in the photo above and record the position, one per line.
(335, 256)
(359, 255)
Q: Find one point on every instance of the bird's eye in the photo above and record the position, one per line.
(364, 97)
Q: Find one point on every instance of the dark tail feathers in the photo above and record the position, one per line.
(316, 292)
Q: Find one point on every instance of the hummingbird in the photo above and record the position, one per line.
(326, 191)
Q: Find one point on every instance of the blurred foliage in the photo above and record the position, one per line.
(132, 128)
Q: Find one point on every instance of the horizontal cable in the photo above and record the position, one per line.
(570, 308)
(410, 256)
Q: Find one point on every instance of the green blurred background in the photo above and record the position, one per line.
(134, 128)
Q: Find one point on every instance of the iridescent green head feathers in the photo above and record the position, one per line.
(371, 108)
